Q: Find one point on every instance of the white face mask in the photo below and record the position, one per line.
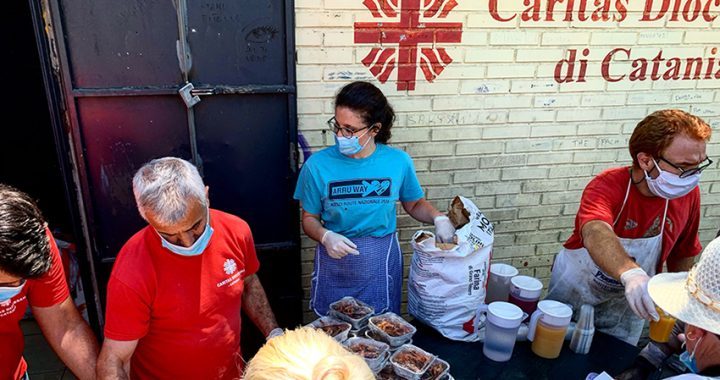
(670, 186)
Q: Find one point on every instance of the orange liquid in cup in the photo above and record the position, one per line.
(548, 340)
(661, 330)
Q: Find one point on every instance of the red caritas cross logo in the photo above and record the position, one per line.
(407, 34)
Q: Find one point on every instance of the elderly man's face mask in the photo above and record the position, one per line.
(190, 236)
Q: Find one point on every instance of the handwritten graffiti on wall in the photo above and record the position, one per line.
(408, 33)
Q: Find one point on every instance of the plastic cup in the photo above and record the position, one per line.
(499, 282)
(661, 330)
(584, 330)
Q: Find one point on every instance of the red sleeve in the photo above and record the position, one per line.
(688, 243)
(601, 200)
(248, 246)
(127, 316)
(51, 288)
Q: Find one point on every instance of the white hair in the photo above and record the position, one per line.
(165, 186)
(306, 354)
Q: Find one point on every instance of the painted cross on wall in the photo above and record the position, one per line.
(403, 44)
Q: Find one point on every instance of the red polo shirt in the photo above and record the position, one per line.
(184, 311)
(45, 291)
(641, 217)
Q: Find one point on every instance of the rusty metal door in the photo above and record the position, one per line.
(210, 81)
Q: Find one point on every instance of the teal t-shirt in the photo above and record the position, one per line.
(357, 197)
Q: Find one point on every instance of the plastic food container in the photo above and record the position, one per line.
(352, 311)
(388, 373)
(437, 370)
(375, 353)
(411, 362)
(391, 328)
(375, 336)
(337, 329)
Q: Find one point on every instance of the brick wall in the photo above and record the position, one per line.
(497, 125)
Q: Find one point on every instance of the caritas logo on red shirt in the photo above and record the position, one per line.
(230, 268)
(8, 307)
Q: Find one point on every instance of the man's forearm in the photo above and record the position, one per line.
(680, 265)
(256, 306)
(70, 337)
(114, 360)
(605, 249)
(112, 369)
(79, 351)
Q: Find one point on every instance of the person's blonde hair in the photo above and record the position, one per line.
(306, 354)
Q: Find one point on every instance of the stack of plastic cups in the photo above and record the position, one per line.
(584, 330)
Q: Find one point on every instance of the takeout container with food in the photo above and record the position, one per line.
(351, 310)
(391, 328)
(387, 373)
(438, 370)
(375, 353)
(337, 329)
(411, 362)
(376, 336)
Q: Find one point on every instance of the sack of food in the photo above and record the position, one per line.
(447, 283)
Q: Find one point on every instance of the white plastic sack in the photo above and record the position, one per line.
(446, 287)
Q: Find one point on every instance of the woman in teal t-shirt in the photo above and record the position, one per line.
(348, 193)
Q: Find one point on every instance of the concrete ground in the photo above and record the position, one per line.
(43, 364)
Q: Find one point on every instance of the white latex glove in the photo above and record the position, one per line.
(338, 246)
(444, 230)
(636, 291)
(274, 332)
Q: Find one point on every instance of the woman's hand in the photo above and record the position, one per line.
(338, 246)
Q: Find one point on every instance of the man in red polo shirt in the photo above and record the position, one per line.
(178, 285)
(633, 220)
(31, 274)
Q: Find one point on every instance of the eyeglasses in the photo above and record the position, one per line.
(345, 132)
(684, 173)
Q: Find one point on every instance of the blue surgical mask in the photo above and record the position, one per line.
(8, 292)
(197, 248)
(689, 359)
(350, 145)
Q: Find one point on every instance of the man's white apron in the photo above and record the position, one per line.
(577, 280)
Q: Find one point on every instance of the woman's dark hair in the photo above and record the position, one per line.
(367, 100)
(24, 245)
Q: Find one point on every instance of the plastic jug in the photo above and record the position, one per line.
(499, 282)
(548, 326)
(525, 292)
(501, 329)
